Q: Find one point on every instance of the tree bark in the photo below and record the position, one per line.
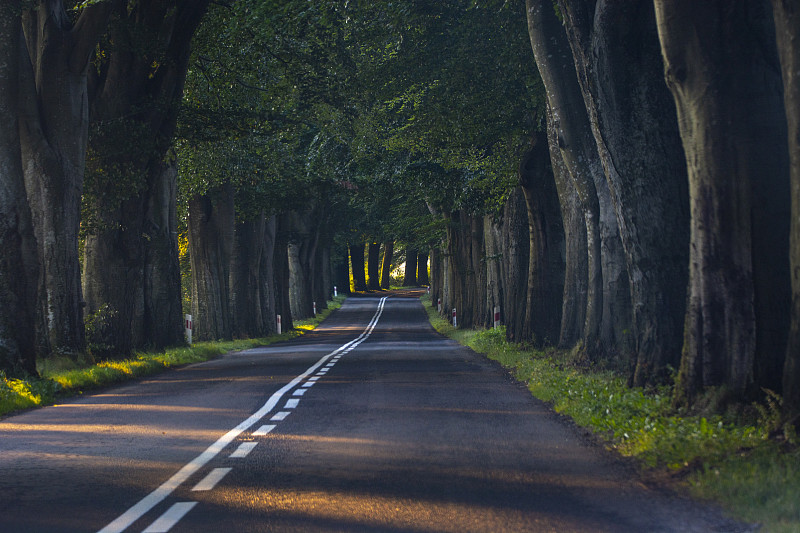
(422, 268)
(573, 310)
(633, 119)
(19, 266)
(787, 25)
(410, 275)
(267, 276)
(466, 269)
(386, 265)
(135, 101)
(341, 271)
(722, 68)
(357, 262)
(545, 283)
(516, 243)
(571, 127)
(211, 237)
(246, 277)
(493, 250)
(53, 133)
(281, 265)
(374, 266)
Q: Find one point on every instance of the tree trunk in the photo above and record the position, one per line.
(573, 310)
(468, 280)
(281, 262)
(53, 133)
(545, 281)
(787, 25)
(325, 286)
(374, 266)
(304, 265)
(386, 265)
(135, 101)
(515, 256)
(618, 58)
(19, 267)
(266, 275)
(410, 276)
(422, 268)
(437, 276)
(571, 127)
(357, 262)
(246, 276)
(341, 271)
(492, 244)
(721, 66)
(162, 323)
(211, 237)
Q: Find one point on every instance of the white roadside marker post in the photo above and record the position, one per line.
(188, 324)
(496, 317)
(439, 306)
(455, 322)
(279, 324)
(314, 307)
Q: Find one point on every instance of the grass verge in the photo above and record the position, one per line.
(755, 477)
(62, 377)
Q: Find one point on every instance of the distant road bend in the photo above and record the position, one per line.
(373, 422)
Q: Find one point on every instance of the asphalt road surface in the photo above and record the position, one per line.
(373, 422)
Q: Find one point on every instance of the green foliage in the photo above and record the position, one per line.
(735, 463)
(99, 330)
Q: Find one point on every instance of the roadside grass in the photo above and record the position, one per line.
(63, 377)
(738, 464)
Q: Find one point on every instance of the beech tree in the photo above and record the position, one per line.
(53, 131)
(19, 262)
(607, 304)
(722, 69)
(131, 250)
(787, 25)
(617, 57)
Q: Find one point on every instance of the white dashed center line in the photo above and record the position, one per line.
(244, 450)
(178, 510)
(170, 518)
(211, 480)
(263, 430)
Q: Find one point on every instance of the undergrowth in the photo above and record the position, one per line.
(732, 462)
(64, 377)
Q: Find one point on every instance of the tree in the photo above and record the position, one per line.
(373, 266)
(131, 253)
(607, 300)
(722, 69)
(54, 122)
(386, 264)
(19, 266)
(787, 25)
(618, 59)
(357, 264)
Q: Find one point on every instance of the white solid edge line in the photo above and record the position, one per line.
(211, 479)
(171, 517)
(165, 489)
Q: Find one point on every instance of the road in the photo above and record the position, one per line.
(373, 422)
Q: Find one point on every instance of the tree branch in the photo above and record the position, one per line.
(91, 24)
